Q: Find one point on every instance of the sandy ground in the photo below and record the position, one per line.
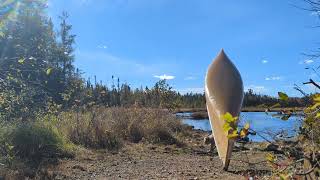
(147, 161)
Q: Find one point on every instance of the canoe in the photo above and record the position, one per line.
(224, 93)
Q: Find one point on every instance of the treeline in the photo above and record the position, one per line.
(252, 99)
(37, 73)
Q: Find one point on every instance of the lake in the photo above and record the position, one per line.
(264, 124)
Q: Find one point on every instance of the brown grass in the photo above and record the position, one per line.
(109, 127)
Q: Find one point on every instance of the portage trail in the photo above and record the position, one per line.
(149, 161)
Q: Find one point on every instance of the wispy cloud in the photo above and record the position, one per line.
(307, 61)
(315, 13)
(264, 61)
(190, 78)
(102, 47)
(256, 88)
(273, 78)
(166, 77)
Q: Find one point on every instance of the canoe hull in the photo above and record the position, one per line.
(224, 93)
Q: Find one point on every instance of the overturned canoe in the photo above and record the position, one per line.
(224, 93)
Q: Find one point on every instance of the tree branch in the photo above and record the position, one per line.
(313, 83)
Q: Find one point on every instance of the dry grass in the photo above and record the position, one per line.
(109, 127)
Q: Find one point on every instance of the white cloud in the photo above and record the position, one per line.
(308, 61)
(102, 47)
(166, 77)
(198, 90)
(315, 13)
(264, 61)
(256, 88)
(190, 78)
(273, 78)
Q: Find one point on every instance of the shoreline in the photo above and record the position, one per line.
(201, 113)
(245, 109)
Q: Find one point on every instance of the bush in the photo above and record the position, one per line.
(89, 129)
(35, 141)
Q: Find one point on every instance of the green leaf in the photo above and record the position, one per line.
(21, 61)
(270, 157)
(49, 71)
(283, 96)
(229, 118)
(233, 135)
(226, 127)
(315, 106)
(284, 176)
(247, 126)
(316, 98)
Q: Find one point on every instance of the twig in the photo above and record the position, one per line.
(313, 83)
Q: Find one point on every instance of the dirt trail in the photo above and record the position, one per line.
(147, 161)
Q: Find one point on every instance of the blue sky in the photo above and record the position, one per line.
(141, 41)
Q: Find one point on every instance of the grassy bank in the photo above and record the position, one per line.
(27, 146)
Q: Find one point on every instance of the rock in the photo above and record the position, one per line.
(79, 167)
(272, 147)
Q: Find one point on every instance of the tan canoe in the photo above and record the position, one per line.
(224, 93)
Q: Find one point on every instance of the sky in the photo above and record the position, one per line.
(142, 41)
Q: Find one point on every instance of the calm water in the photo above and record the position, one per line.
(265, 124)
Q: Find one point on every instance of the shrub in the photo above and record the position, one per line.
(89, 129)
(35, 141)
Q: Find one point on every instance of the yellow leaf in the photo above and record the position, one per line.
(315, 106)
(21, 61)
(243, 134)
(270, 157)
(229, 118)
(247, 126)
(283, 96)
(233, 135)
(49, 70)
(316, 98)
(318, 115)
(226, 127)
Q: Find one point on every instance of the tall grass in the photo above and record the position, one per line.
(109, 127)
(32, 142)
(54, 136)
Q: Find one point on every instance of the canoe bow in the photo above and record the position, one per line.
(224, 93)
